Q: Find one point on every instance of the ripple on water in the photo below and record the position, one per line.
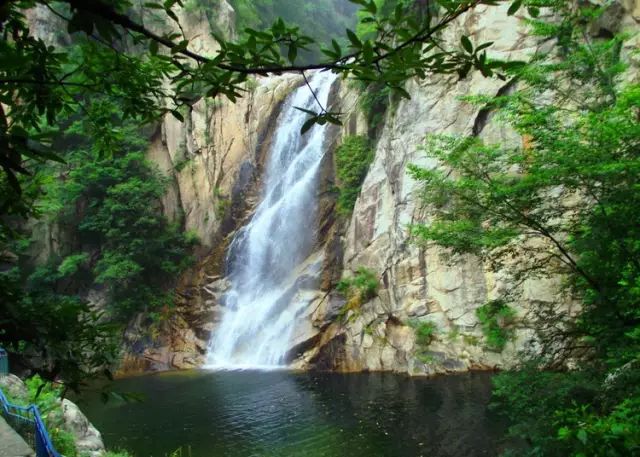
(279, 413)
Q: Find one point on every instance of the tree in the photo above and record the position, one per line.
(565, 202)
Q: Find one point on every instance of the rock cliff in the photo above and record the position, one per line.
(214, 160)
(417, 283)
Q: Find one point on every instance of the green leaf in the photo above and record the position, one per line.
(466, 44)
(308, 111)
(564, 433)
(177, 115)
(293, 53)
(355, 41)
(483, 46)
(582, 436)
(308, 124)
(336, 47)
(515, 6)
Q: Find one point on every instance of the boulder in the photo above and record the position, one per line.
(14, 388)
(87, 437)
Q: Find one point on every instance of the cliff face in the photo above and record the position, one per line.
(417, 283)
(215, 159)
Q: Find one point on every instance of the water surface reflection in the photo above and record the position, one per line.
(246, 413)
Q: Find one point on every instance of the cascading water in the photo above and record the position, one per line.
(260, 313)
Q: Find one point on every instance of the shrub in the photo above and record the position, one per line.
(425, 332)
(374, 102)
(353, 158)
(46, 396)
(357, 289)
(111, 198)
(181, 164)
(364, 284)
(495, 318)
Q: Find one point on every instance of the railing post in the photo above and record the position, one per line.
(4, 363)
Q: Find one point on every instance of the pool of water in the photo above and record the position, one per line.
(280, 413)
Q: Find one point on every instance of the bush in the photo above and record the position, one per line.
(495, 318)
(111, 203)
(353, 158)
(46, 396)
(571, 413)
(374, 102)
(425, 332)
(358, 289)
(364, 284)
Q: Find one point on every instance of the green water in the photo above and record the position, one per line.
(248, 413)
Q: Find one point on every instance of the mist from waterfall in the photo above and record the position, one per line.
(260, 313)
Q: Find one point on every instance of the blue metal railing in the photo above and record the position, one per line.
(27, 419)
(4, 363)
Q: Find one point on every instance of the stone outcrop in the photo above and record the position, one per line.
(13, 386)
(13, 445)
(87, 438)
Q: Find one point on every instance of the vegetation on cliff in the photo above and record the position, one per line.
(105, 202)
(353, 158)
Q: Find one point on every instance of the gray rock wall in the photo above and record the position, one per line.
(417, 283)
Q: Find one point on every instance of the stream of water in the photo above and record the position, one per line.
(259, 312)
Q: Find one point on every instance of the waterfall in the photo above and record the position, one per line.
(259, 310)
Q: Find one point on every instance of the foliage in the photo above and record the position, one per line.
(106, 198)
(425, 332)
(573, 413)
(46, 396)
(374, 102)
(321, 19)
(357, 289)
(587, 433)
(564, 202)
(134, 251)
(182, 164)
(62, 331)
(364, 284)
(353, 158)
(495, 318)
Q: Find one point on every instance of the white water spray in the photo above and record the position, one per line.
(260, 313)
